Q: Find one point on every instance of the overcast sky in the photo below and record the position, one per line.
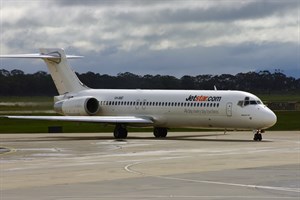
(168, 37)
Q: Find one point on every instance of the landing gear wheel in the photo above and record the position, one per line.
(120, 132)
(160, 132)
(257, 136)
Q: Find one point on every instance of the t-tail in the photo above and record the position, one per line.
(64, 77)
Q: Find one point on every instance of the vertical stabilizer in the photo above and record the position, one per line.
(64, 78)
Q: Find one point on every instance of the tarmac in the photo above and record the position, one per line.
(185, 166)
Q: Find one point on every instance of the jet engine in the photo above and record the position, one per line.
(77, 106)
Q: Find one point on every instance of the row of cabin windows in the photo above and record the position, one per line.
(176, 104)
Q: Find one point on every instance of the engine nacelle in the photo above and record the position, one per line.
(77, 106)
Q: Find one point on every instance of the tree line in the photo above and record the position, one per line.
(17, 83)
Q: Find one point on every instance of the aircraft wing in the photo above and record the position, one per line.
(93, 119)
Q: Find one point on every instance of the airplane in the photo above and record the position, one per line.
(160, 109)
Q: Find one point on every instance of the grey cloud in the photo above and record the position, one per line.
(101, 34)
(109, 2)
(178, 62)
(198, 60)
(250, 10)
(159, 12)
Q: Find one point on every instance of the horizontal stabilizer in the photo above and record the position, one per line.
(38, 55)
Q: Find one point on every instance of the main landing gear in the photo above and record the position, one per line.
(258, 136)
(121, 132)
(160, 132)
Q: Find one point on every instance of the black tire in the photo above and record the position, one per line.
(257, 137)
(160, 132)
(120, 132)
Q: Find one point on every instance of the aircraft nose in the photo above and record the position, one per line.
(270, 118)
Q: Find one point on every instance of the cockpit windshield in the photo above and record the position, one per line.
(247, 101)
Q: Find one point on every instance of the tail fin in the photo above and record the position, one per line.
(64, 78)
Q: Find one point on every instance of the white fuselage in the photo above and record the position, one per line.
(184, 108)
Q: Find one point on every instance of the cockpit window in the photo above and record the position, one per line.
(247, 101)
(240, 103)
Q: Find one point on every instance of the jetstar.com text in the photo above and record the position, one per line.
(203, 98)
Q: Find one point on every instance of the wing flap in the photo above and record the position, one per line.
(92, 119)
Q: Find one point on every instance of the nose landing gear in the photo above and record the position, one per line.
(257, 135)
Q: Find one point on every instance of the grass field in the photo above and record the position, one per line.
(287, 120)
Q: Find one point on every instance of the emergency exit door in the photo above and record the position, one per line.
(229, 109)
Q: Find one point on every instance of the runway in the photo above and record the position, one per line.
(205, 165)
